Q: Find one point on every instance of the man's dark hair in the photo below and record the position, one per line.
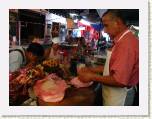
(36, 49)
(119, 13)
(70, 32)
(32, 37)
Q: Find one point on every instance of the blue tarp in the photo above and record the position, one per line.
(97, 27)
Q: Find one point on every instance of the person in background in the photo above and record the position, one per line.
(34, 39)
(10, 40)
(69, 38)
(17, 58)
(32, 55)
(92, 43)
(80, 52)
(121, 71)
(54, 50)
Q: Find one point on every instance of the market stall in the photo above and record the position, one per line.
(51, 84)
(74, 97)
(55, 82)
(26, 84)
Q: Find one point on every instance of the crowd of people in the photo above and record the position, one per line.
(35, 52)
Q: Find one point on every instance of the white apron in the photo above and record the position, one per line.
(114, 96)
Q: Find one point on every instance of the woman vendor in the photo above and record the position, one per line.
(54, 50)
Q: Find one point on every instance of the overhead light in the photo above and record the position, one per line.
(85, 22)
(84, 17)
(73, 14)
(81, 28)
(75, 21)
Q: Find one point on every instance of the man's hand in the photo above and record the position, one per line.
(85, 75)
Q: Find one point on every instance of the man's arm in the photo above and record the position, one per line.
(98, 69)
(86, 75)
(107, 80)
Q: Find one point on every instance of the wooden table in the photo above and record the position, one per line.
(74, 97)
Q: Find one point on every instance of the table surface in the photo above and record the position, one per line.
(74, 97)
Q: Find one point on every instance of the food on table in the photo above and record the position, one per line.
(36, 73)
(52, 66)
(22, 79)
(50, 89)
(78, 84)
(24, 70)
(13, 75)
(51, 63)
(39, 66)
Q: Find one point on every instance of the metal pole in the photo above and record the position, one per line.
(19, 32)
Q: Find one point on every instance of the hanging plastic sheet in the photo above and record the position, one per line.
(97, 27)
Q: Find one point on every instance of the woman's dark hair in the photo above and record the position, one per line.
(36, 49)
